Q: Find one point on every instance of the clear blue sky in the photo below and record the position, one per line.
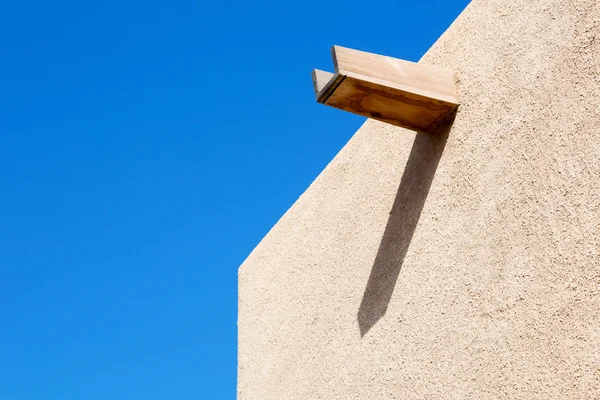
(145, 149)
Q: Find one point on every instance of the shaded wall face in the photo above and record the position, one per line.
(463, 266)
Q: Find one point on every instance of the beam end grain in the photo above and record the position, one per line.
(320, 80)
(325, 83)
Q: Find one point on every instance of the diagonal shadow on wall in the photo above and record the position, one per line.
(412, 193)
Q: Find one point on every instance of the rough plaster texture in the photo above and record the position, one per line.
(460, 267)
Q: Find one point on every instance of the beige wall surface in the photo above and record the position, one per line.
(460, 267)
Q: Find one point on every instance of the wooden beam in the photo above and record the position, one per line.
(402, 93)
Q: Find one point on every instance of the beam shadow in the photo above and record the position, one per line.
(410, 199)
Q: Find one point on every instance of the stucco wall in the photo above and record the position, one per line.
(459, 267)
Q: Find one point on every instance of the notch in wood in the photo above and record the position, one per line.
(402, 93)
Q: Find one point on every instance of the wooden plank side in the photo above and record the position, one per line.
(390, 105)
(435, 83)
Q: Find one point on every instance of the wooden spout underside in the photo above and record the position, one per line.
(401, 93)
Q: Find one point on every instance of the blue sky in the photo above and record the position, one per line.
(145, 149)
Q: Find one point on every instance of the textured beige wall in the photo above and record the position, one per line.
(464, 267)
